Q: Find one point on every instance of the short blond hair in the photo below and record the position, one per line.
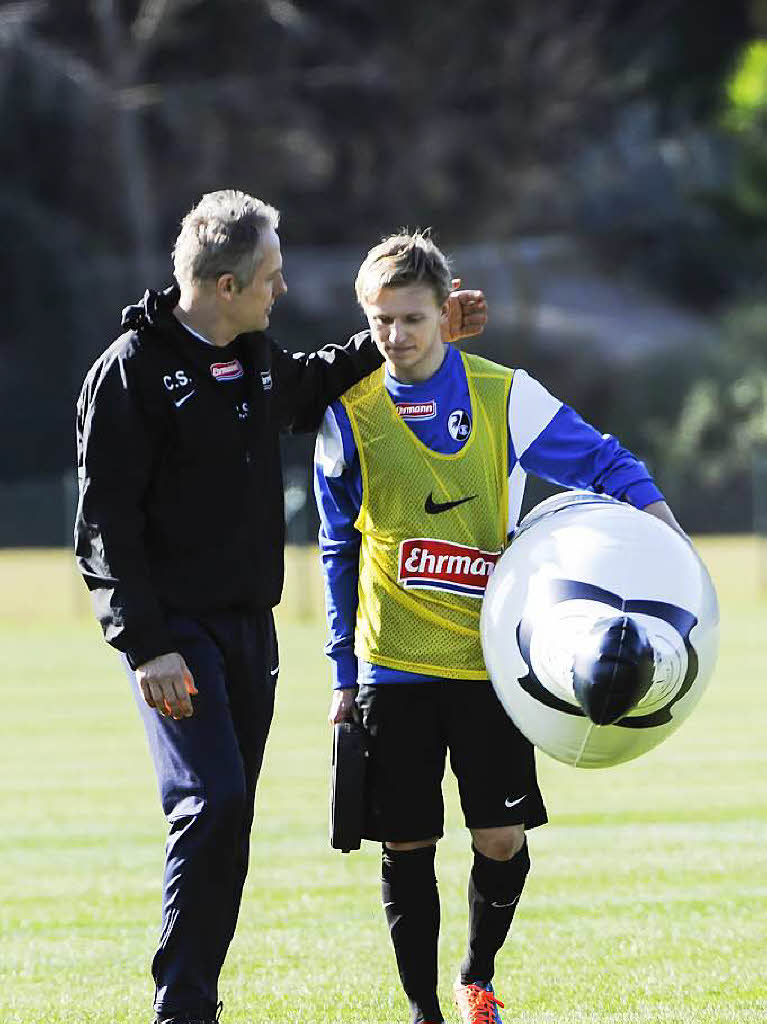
(409, 257)
(221, 235)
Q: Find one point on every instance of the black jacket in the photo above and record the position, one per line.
(181, 498)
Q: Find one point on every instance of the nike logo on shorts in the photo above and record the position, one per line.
(180, 401)
(513, 803)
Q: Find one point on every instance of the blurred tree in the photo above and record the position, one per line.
(663, 154)
(488, 119)
(743, 200)
(473, 116)
(706, 453)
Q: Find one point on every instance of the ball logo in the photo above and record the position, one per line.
(428, 564)
(417, 410)
(226, 371)
(459, 424)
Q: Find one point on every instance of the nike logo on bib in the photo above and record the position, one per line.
(433, 507)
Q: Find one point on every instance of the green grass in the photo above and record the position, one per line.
(647, 900)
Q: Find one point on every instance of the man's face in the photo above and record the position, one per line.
(251, 306)
(405, 325)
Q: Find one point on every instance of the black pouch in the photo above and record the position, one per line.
(347, 786)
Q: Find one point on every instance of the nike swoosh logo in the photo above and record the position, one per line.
(500, 905)
(181, 401)
(513, 803)
(433, 507)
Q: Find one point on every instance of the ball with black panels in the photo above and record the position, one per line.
(599, 629)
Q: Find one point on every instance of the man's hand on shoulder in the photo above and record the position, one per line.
(466, 315)
(343, 707)
(167, 685)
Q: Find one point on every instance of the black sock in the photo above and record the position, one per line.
(494, 890)
(411, 902)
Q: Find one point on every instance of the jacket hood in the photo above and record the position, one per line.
(150, 309)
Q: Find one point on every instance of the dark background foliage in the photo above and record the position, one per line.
(505, 125)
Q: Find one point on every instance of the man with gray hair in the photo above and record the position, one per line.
(180, 536)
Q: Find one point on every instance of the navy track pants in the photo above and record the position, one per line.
(207, 767)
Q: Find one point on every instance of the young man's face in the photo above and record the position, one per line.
(405, 325)
(252, 305)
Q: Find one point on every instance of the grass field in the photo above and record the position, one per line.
(647, 901)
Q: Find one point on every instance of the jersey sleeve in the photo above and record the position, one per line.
(552, 441)
(305, 383)
(338, 492)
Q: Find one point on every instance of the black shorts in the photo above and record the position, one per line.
(411, 726)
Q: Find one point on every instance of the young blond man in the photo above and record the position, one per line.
(419, 477)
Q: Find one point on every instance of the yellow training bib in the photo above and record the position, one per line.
(432, 528)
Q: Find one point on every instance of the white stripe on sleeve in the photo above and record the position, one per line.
(329, 450)
(517, 480)
(531, 409)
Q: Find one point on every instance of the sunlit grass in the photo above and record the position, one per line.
(647, 901)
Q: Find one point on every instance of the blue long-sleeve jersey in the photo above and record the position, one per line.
(545, 437)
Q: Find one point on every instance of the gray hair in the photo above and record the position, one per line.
(221, 235)
(409, 257)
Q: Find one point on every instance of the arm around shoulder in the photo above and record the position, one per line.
(306, 383)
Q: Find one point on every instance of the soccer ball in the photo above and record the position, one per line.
(599, 629)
